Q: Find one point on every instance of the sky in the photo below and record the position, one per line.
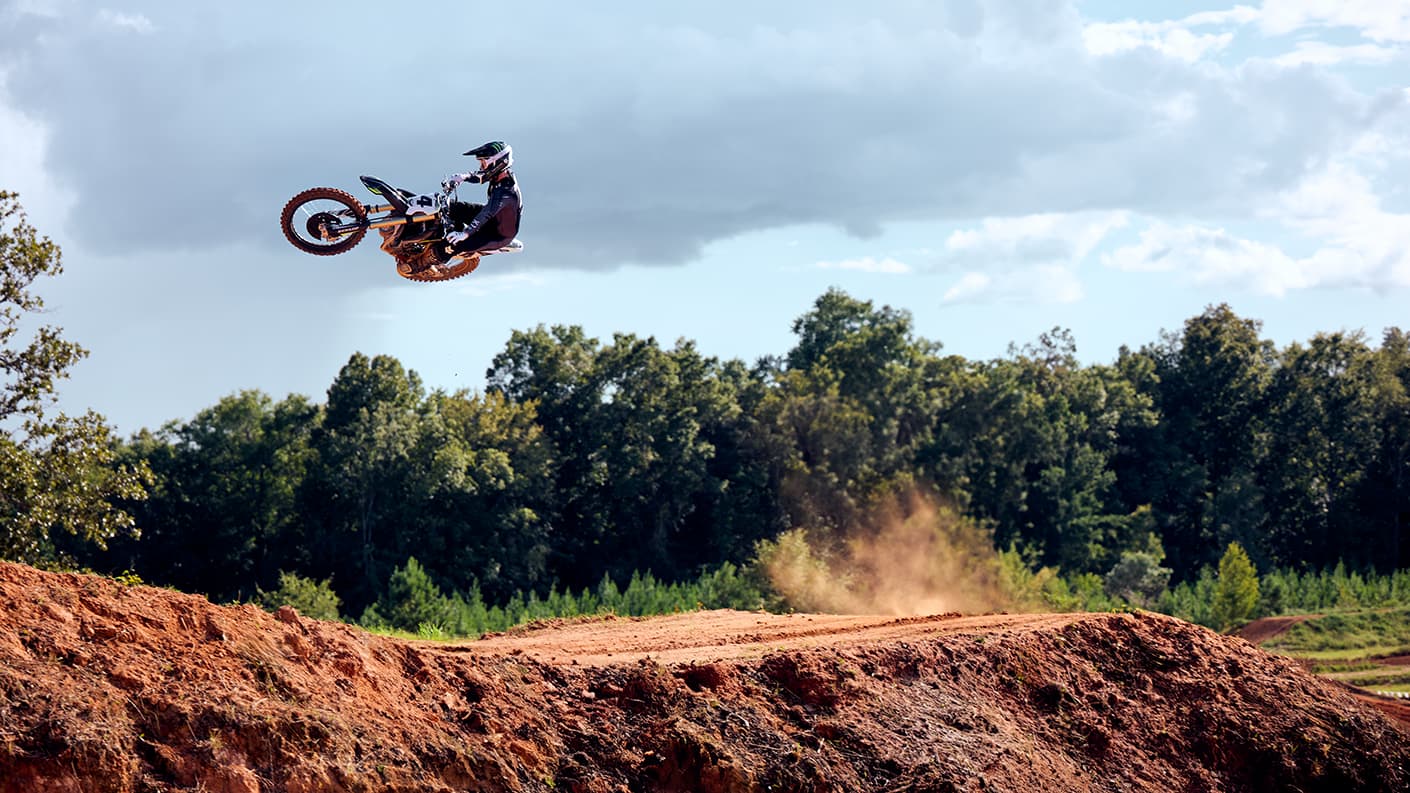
(701, 171)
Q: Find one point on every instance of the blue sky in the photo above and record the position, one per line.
(703, 171)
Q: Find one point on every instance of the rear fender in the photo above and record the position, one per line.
(381, 188)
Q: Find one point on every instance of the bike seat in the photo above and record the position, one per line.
(395, 195)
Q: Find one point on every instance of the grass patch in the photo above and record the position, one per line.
(1343, 667)
(1388, 678)
(1344, 658)
(426, 633)
(1346, 636)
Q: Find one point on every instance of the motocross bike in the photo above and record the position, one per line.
(326, 221)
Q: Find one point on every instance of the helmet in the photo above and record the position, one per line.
(495, 158)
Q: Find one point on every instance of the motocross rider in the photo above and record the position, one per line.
(493, 224)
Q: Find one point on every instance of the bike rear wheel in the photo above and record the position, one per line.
(309, 218)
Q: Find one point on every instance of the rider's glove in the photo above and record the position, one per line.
(456, 178)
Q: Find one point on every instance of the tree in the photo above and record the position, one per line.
(1236, 590)
(1198, 467)
(411, 600)
(1385, 491)
(853, 403)
(222, 517)
(646, 443)
(1138, 578)
(487, 524)
(1030, 439)
(57, 474)
(375, 465)
(1325, 432)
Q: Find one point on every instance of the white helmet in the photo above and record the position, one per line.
(496, 157)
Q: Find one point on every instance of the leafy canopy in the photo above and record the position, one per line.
(57, 473)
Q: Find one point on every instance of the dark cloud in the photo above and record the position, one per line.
(644, 134)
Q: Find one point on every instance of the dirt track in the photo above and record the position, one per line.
(1260, 631)
(106, 688)
(703, 637)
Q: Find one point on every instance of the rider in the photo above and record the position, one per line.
(493, 224)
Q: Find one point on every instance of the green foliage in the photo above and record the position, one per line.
(588, 459)
(1192, 600)
(1236, 590)
(58, 474)
(412, 600)
(1083, 592)
(1030, 588)
(1138, 578)
(415, 604)
(227, 485)
(311, 598)
(1385, 630)
(1286, 591)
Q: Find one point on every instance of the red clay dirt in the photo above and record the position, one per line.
(108, 687)
(1261, 630)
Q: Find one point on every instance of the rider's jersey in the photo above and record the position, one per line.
(498, 222)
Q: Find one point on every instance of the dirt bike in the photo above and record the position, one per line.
(326, 221)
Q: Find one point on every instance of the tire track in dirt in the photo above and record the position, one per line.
(706, 636)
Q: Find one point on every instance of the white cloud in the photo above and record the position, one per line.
(1364, 244)
(1320, 53)
(927, 119)
(1359, 243)
(486, 285)
(137, 23)
(1378, 20)
(969, 286)
(40, 8)
(1238, 15)
(1030, 258)
(1042, 284)
(867, 264)
(1042, 238)
(934, 116)
(1173, 39)
(1210, 256)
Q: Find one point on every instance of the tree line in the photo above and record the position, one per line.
(583, 458)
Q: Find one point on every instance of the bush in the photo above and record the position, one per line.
(1138, 578)
(314, 599)
(412, 600)
(1192, 600)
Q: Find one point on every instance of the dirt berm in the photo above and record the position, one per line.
(108, 687)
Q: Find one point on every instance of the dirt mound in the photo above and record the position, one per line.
(106, 687)
(1261, 630)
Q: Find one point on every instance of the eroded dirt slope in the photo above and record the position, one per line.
(105, 687)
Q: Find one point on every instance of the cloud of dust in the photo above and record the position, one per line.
(915, 557)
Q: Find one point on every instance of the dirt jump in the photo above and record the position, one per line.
(109, 687)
